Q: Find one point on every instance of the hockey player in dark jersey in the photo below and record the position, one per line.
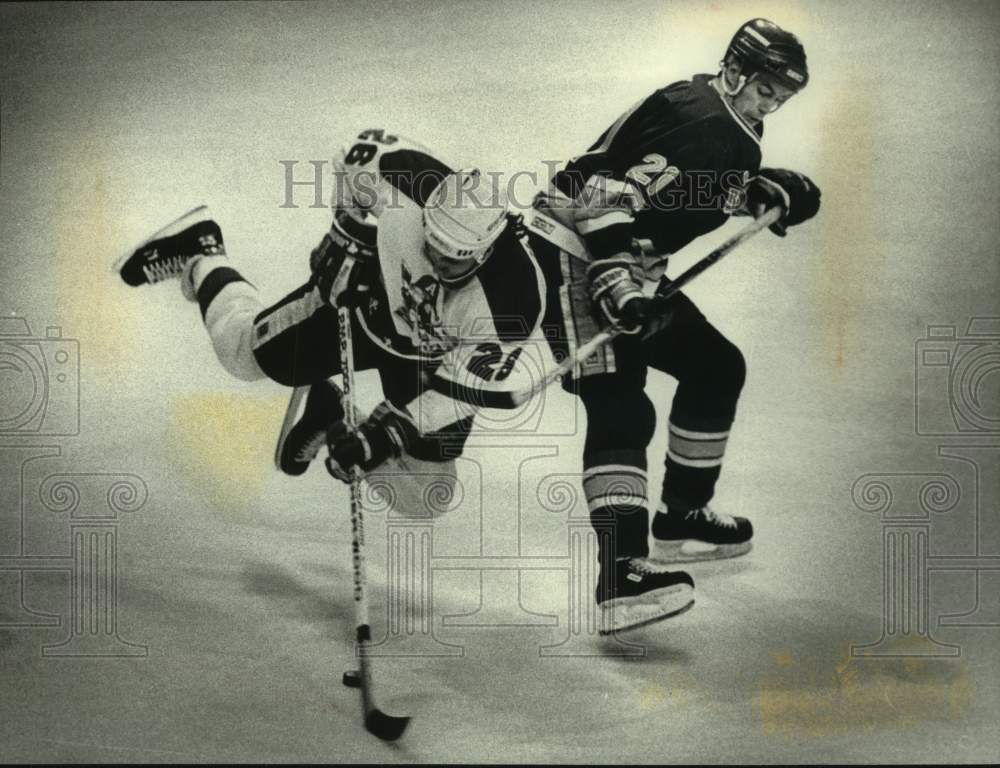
(440, 281)
(672, 168)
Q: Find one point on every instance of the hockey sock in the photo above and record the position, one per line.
(694, 463)
(617, 499)
(209, 275)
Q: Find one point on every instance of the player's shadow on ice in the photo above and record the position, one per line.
(292, 598)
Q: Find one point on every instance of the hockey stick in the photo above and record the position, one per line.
(377, 722)
(660, 309)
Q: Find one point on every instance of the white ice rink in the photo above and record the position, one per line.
(230, 615)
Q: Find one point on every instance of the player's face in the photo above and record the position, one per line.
(760, 97)
(447, 269)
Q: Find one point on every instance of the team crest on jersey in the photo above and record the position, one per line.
(420, 313)
(736, 195)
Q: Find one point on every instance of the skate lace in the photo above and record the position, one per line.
(311, 447)
(642, 565)
(712, 516)
(162, 269)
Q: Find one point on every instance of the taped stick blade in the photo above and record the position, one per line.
(386, 727)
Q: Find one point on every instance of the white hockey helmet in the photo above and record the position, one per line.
(464, 216)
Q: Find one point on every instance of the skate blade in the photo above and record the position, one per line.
(620, 615)
(291, 416)
(179, 224)
(692, 551)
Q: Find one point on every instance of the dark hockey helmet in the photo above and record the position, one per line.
(762, 46)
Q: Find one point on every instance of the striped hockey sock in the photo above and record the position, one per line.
(694, 462)
(618, 502)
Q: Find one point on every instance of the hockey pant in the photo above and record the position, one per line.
(621, 419)
(295, 343)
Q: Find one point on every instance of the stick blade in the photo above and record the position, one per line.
(385, 727)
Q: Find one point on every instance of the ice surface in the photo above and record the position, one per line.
(236, 580)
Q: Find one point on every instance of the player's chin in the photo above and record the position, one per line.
(454, 273)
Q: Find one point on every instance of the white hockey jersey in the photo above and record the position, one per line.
(476, 338)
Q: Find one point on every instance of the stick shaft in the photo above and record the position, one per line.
(362, 629)
(751, 229)
(377, 722)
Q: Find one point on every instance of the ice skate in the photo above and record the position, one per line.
(303, 435)
(699, 534)
(166, 253)
(639, 593)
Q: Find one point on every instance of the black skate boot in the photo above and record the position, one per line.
(636, 593)
(302, 437)
(699, 534)
(165, 254)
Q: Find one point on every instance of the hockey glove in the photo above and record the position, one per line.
(346, 237)
(617, 292)
(794, 192)
(662, 316)
(384, 435)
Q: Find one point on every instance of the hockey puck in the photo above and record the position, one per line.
(352, 678)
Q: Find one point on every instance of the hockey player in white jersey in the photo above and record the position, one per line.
(441, 281)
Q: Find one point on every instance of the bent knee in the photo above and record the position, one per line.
(719, 368)
(229, 320)
(731, 366)
(618, 416)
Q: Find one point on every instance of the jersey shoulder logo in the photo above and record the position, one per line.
(736, 194)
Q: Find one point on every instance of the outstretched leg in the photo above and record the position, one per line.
(289, 342)
(191, 248)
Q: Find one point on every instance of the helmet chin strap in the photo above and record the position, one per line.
(477, 264)
(741, 81)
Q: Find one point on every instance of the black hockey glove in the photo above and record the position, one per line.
(614, 287)
(636, 312)
(794, 192)
(346, 237)
(660, 311)
(386, 434)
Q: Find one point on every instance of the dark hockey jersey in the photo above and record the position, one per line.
(687, 157)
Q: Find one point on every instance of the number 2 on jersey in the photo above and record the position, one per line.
(488, 357)
(379, 135)
(363, 151)
(652, 174)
